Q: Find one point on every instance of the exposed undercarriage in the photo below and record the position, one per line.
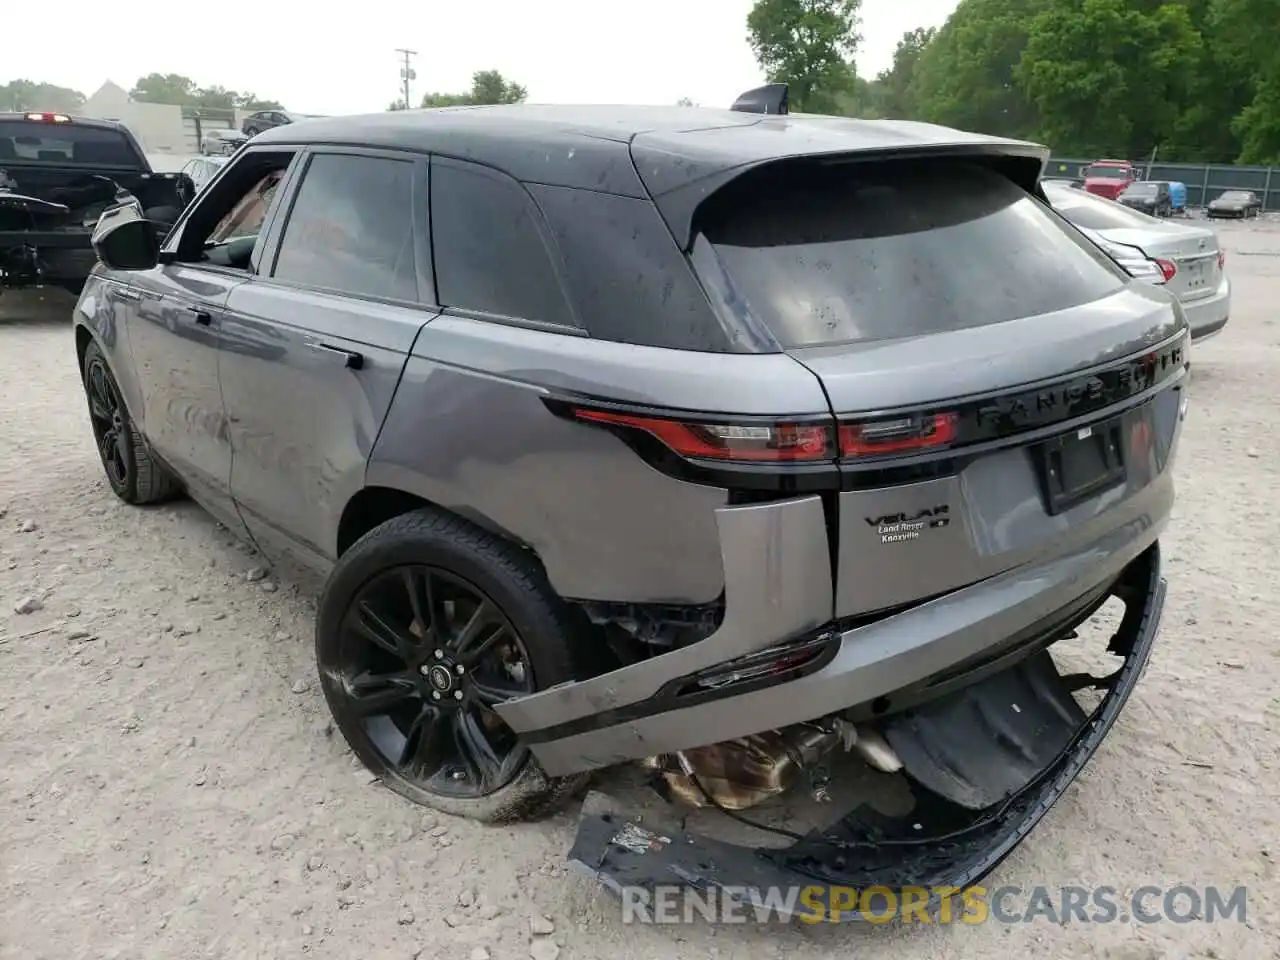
(972, 771)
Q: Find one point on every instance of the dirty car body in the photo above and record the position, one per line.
(795, 431)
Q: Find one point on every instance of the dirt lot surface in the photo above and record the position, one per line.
(170, 788)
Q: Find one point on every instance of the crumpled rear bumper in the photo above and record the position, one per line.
(940, 847)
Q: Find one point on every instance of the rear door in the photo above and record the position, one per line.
(319, 342)
(981, 356)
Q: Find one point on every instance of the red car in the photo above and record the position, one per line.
(1108, 178)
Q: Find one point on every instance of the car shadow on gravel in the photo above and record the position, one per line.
(36, 308)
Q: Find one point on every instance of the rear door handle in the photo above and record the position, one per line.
(128, 293)
(202, 317)
(353, 360)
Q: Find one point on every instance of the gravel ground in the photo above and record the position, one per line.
(171, 787)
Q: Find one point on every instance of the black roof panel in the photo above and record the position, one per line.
(675, 154)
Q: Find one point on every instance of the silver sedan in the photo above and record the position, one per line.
(1186, 259)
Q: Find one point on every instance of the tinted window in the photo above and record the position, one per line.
(840, 254)
(37, 141)
(625, 274)
(490, 255)
(351, 228)
(1095, 213)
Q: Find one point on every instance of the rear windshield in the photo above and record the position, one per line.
(35, 141)
(870, 252)
(1141, 190)
(1095, 213)
(1113, 173)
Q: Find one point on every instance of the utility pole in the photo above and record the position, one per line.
(407, 73)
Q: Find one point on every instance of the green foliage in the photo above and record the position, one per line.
(19, 95)
(1109, 76)
(487, 86)
(175, 89)
(964, 76)
(808, 44)
(894, 89)
(1195, 80)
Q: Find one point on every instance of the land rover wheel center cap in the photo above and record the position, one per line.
(440, 677)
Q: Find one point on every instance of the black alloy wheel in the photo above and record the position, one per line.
(110, 423)
(422, 657)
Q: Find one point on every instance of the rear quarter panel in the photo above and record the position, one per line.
(468, 430)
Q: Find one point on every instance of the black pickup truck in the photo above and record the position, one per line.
(57, 174)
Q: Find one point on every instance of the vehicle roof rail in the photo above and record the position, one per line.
(771, 98)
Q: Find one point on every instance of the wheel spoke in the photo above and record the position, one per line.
(421, 750)
(474, 746)
(491, 695)
(119, 450)
(428, 609)
(372, 694)
(473, 641)
(97, 408)
(100, 388)
(374, 628)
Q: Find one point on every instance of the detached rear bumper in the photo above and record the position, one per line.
(778, 588)
(936, 851)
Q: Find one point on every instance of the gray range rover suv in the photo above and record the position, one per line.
(737, 443)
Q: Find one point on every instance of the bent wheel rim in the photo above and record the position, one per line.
(109, 428)
(423, 658)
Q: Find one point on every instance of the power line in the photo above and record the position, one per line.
(407, 73)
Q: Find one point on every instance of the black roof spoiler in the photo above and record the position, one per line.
(771, 98)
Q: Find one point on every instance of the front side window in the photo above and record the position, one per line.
(351, 228)
(490, 254)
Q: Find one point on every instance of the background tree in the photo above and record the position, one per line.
(809, 45)
(487, 87)
(894, 89)
(964, 76)
(1109, 77)
(177, 90)
(19, 95)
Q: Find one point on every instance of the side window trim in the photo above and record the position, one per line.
(283, 213)
(575, 324)
(287, 183)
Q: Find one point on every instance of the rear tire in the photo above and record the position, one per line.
(133, 472)
(428, 547)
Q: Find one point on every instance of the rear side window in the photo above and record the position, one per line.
(39, 141)
(490, 254)
(351, 228)
(869, 252)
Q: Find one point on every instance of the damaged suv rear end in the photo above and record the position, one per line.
(938, 438)
(760, 454)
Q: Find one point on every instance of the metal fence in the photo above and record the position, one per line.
(1204, 180)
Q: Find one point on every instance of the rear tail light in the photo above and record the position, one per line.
(1222, 259)
(899, 435)
(49, 117)
(1167, 268)
(754, 443)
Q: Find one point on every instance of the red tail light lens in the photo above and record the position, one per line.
(761, 443)
(49, 117)
(899, 435)
(1222, 259)
(1168, 268)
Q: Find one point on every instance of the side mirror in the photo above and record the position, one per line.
(125, 240)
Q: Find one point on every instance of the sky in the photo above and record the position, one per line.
(342, 58)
